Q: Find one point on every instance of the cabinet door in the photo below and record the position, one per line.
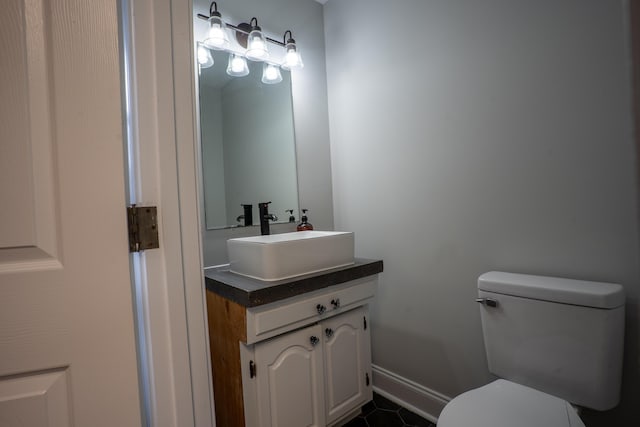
(347, 362)
(289, 378)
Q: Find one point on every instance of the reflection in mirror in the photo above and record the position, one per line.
(248, 145)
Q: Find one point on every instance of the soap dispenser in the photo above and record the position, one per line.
(304, 224)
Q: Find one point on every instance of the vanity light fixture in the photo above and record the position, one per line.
(256, 43)
(292, 58)
(249, 37)
(205, 59)
(237, 66)
(217, 37)
(271, 74)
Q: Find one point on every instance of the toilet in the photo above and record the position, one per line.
(553, 343)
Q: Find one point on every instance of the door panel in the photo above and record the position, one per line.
(66, 314)
(290, 380)
(348, 357)
(35, 400)
(26, 162)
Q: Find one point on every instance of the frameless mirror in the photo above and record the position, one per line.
(248, 145)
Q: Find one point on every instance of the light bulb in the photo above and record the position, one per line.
(292, 58)
(256, 45)
(237, 66)
(271, 74)
(217, 37)
(204, 57)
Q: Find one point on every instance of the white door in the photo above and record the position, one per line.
(67, 344)
(347, 354)
(289, 375)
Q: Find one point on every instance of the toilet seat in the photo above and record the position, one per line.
(504, 403)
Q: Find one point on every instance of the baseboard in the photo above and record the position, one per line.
(417, 398)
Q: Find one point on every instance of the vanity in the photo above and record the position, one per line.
(291, 352)
(288, 319)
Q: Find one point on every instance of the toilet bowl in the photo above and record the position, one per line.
(504, 403)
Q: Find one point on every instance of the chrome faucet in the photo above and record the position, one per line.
(265, 216)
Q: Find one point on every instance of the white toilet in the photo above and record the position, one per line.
(553, 342)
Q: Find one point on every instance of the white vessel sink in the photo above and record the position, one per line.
(281, 256)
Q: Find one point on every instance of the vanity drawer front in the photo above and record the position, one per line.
(273, 319)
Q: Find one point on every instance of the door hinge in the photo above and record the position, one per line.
(365, 322)
(252, 369)
(143, 228)
(366, 376)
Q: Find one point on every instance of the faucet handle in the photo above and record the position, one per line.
(291, 217)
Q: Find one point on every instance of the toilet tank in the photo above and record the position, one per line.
(561, 336)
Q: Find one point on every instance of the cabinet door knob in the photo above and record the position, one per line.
(328, 332)
(314, 340)
(321, 308)
(335, 302)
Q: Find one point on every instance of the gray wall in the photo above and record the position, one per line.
(213, 156)
(469, 136)
(259, 147)
(305, 19)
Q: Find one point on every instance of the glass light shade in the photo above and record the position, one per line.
(237, 66)
(271, 74)
(292, 58)
(217, 37)
(205, 59)
(256, 46)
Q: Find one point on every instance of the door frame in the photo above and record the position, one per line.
(173, 339)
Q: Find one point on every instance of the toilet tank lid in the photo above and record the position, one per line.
(554, 289)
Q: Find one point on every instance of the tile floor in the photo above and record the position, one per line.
(382, 412)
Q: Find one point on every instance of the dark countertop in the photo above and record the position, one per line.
(250, 292)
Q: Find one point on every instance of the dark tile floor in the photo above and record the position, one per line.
(382, 412)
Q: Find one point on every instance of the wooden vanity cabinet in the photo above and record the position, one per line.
(304, 360)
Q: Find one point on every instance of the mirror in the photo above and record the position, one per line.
(248, 145)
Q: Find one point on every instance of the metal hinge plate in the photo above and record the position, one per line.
(143, 228)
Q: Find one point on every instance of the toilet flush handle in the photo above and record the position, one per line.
(488, 302)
